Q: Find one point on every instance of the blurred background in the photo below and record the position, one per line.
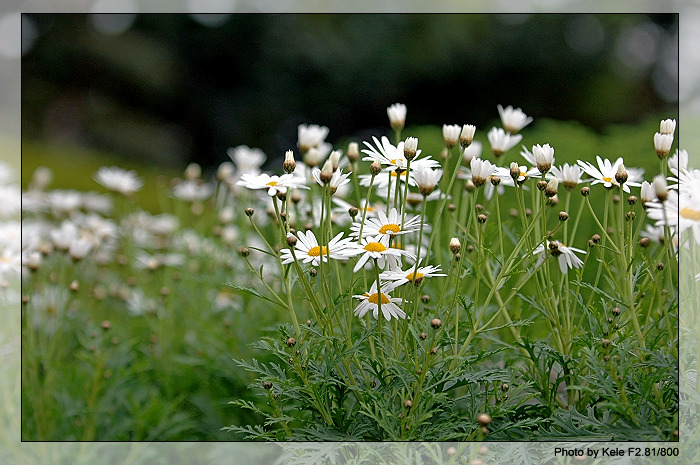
(169, 89)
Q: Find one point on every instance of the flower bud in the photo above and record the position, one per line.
(375, 168)
(335, 159)
(585, 191)
(410, 148)
(193, 171)
(563, 216)
(291, 240)
(291, 341)
(249, 212)
(481, 218)
(495, 180)
(621, 175)
(467, 135)
(552, 187)
(353, 152)
(455, 245)
(542, 184)
(483, 419)
(660, 187)
(327, 172)
(244, 251)
(436, 323)
(289, 164)
(515, 171)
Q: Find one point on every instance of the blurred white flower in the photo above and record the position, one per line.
(119, 180)
(397, 116)
(192, 190)
(513, 120)
(502, 141)
(247, 160)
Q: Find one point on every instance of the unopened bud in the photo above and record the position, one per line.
(455, 245)
(353, 152)
(541, 184)
(410, 148)
(551, 188)
(483, 419)
(660, 187)
(563, 216)
(495, 180)
(244, 251)
(249, 211)
(585, 191)
(469, 186)
(335, 159)
(436, 323)
(467, 135)
(481, 218)
(644, 242)
(291, 341)
(515, 171)
(327, 172)
(630, 216)
(375, 168)
(621, 175)
(289, 163)
(193, 171)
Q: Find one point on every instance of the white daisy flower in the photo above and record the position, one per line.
(481, 170)
(502, 141)
(450, 134)
(247, 160)
(392, 156)
(377, 248)
(544, 157)
(662, 144)
(426, 178)
(397, 116)
(605, 173)
(568, 176)
(338, 178)
(192, 190)
(565, 255)
(680, 212)
(118, 180)
(342, 208)
(667, 126)
(473, 150)
(308, 250)
(273, 184)
(383, 224)
(513, 119)
(371, 299)
(412, 274)
(678, 163)
(310, 136)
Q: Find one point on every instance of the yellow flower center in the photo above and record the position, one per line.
(316, 251)
(391, 228)
(606, 179)
(393, 162)
(412, 276)
(374, 298)
(271, 183)
(689, 213)
(375, 247)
